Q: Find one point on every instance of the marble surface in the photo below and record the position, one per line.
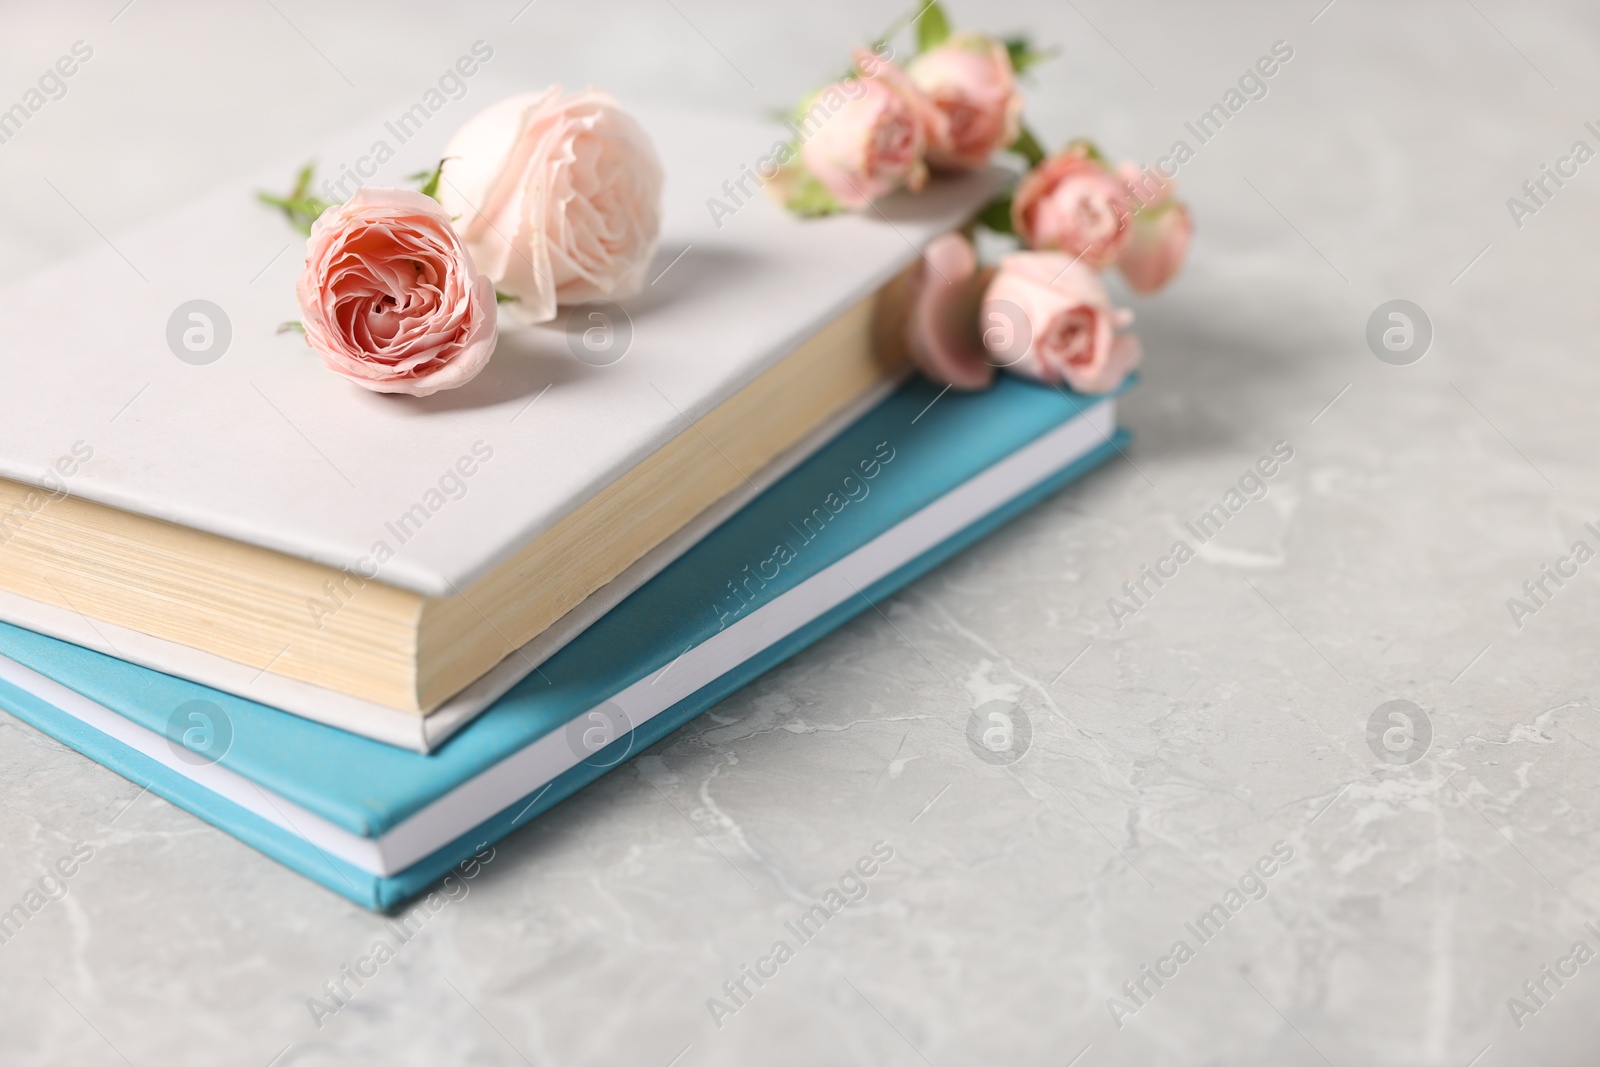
(1227, 717)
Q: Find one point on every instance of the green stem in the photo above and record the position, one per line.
(299, 207)
(1028, 147)
(996, 215)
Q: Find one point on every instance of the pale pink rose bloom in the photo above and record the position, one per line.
(1072, 204)
(558, 196)
(1146, 186)
(970, 80)
(1161, 231)
(872, 138)
(1066, 322)
(1157, 249)
(942, 327)
(934, 123)
(390, 296)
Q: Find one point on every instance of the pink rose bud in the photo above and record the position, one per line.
(1161, 231)
(1071, 203)
(390, 297)
(970, 80)
(1047, 317)
(1157, 249)
(558, 196)
(869, 64)
(866, 135)
(941, 334)
(1146, 187)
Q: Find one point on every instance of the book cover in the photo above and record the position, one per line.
(916, 480)
(264, 447)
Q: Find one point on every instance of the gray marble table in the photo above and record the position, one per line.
(1388, 895)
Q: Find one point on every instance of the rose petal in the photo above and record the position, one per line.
(942, 336)
(1070, 318)
(558, 197)
(390, 296)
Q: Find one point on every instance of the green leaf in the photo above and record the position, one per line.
(933, 26)
(1090, 149)
(429, 180)
(292, 326)
(1024, 56)
(1018, 49)
(299, 207)
(1028, 147)
(901, 21)
(505, 298)
(289, 210)
(809, 198)
(996, 215)
(302, 181)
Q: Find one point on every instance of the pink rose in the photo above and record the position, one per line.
(933, 123)
(942, 327)
(559, 198)
(872, 134)
(1146, 186)
(390, 297)
(1071, 203)
(970, 80)
(1057, 312)
(1157, 249)
(1161, 231)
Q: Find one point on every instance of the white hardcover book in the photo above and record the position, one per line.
(253, 451)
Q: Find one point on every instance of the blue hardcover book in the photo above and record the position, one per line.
(915, 480)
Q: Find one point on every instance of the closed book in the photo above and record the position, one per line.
(239, 516)
(915, 480)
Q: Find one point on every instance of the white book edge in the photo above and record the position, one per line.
(421, 733)
(520, 774)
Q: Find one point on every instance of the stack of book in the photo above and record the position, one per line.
(368, 634)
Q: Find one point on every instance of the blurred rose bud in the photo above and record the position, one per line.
(1047, 317)
(1160, 232)
(941, 327)
(866, 136)
(1157, 249)
(1071, 203)
(970, 80)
